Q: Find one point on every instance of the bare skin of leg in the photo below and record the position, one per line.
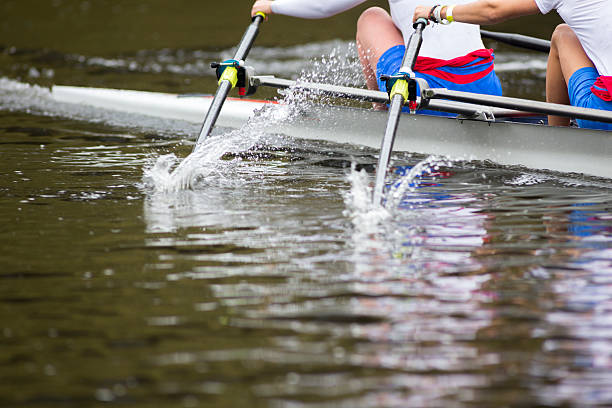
(376, 33)
(566, 57)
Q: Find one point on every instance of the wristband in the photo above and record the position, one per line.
(437, 12)
(449, 13)
(431, 16)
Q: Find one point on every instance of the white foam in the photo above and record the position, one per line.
(204, 164)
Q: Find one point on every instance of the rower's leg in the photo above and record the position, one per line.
(566, 57)
(376, 33)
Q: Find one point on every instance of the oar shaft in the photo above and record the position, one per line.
(412, 49)
(248, 39)
(518, 40)
(225, 86)
(368, 95)
(395, 109)
(521, 104)
(214, 110)
(467, 103)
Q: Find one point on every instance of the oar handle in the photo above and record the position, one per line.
(420, 24)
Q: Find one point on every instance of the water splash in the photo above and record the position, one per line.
(426, 231)
(204, 165)
(366, 215)
(359, 199)
(340, 66)
(372, 229)
(412, 180)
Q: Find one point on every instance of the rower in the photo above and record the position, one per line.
(452, 56)
(579, 68)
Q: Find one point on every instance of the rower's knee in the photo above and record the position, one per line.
(371, 22)
(562, 35)
(372, 17)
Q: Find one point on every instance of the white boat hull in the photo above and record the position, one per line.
(508, 143)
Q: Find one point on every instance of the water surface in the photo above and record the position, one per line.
(271, 281)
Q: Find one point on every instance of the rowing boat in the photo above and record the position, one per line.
(568, 150)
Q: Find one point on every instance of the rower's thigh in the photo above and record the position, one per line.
(376, 33)
(571, 54)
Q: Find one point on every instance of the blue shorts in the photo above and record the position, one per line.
(390, 63)
(579, 90)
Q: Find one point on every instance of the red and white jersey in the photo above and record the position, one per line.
(439, 41)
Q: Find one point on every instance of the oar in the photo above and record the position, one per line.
(367, 95)
(469, 105)
(398, 94)
(229, 77)
(504, 102)
(518, 40)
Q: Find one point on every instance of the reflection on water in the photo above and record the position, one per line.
(272, 282)
(256, 272)
(400, 307)
(587, 307)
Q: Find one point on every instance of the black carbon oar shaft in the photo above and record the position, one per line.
(225, 86)
(386, 148)
(518, 40)
(395, 110)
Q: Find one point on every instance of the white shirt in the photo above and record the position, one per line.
(439, 41)
(591, 20)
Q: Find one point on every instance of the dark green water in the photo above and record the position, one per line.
(266, 285)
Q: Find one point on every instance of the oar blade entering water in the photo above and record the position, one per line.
(387, 147)
(398, 95)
